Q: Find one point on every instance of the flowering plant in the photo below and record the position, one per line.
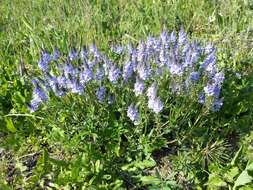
(182, 67)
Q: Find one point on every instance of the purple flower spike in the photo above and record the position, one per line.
(69, 70)
(212, 90)
(176, 69)
(182, 38)
(127, 70)
(163, 57)
(139, 87)
(100, 93)
(100, 73)
(133, 114)
(84, 53)
(86, 76)
(209, 63)
(152, 91)
(93, 49)
(219, 78)
(144, 71)
(164, 39)
(155, 104)
(114, 74)
(173, 37)
(39, 94)
(141, 52)
(34, 105)
(76, 88)
(44, 61)
(38, 97)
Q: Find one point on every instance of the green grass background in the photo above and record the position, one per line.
(28, 26)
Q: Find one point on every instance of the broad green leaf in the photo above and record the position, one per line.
(10, 125)
(243, 179)
(246, 188)
(216, 181)
(230, 175)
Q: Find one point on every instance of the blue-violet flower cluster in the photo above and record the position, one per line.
(189, 67)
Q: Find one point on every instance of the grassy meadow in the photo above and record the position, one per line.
(75, 142)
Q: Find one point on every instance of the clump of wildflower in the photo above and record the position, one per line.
(170, 55)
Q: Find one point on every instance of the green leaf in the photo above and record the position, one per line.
(117, 184)
(216, 181)
(249, 167)
(139, 164)
(230, 175)
(10, 125)
(150, 180)
(97, 166)
(145, 164)
(246, 188)
(243, 179)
